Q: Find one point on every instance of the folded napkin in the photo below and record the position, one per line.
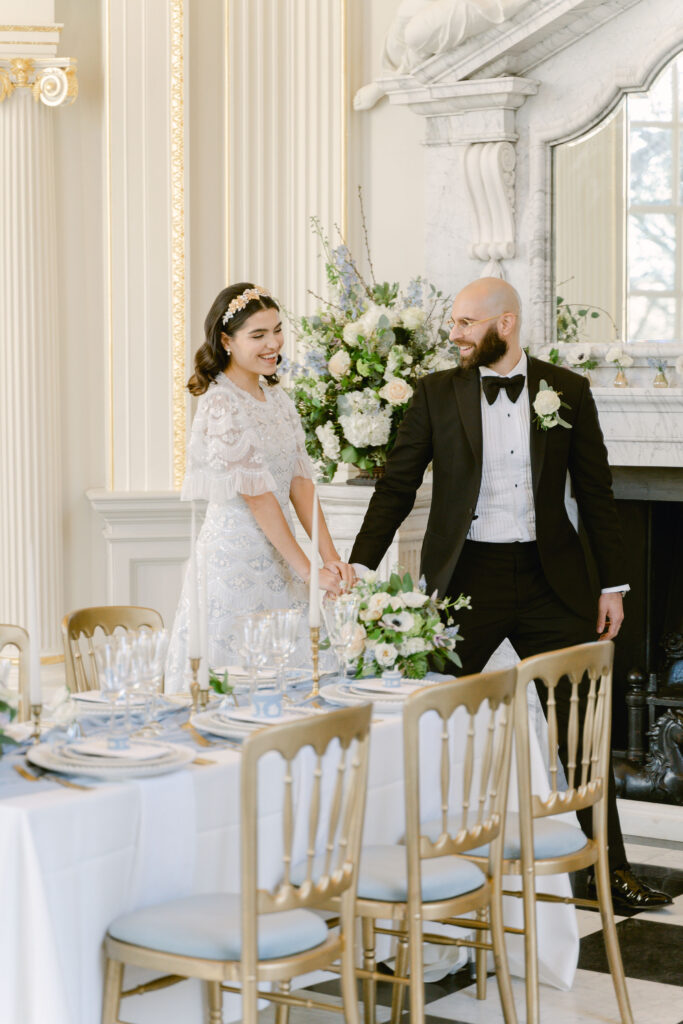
(19, 731)
(98, 747)
(247, 715)
(97, 697)
(376, 686)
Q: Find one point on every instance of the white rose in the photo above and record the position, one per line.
(329, 441)
(413, 317)
(546, 402)
(414, 599)
(626, 360)
(376, 606)
(352, 330)
(385, 654)
(339, 364)
(357, 644)
(613, 354)
(396, 391)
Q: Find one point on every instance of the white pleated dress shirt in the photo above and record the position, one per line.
(505, 510)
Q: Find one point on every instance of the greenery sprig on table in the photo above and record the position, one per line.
(220, 684)
(7, 714)
(402, 627)
(363, 353)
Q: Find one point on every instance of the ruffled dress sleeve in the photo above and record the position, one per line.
(302, 463)
(225, 458)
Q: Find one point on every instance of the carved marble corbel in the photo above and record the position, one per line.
(490, 179)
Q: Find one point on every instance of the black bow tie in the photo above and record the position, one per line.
(493, 385)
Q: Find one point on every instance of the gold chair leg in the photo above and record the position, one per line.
(500, 956)
(480, 957)
(215, 999)
(616, 965)
(369, 984)
(282, 1011)
(249, 1002)
(417, 990)
(111, 998)
(533, 1009)
(349, 988)
(398, 994)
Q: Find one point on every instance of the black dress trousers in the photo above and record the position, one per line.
(512, 598)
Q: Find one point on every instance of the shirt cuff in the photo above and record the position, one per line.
(359, 569)
(623, 589)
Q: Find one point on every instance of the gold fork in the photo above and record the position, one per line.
(48, 777)
(196, 735)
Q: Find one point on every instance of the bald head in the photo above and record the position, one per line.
(491, 296)
(485, 324)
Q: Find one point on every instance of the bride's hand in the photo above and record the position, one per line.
(330, 581)
(346, 572)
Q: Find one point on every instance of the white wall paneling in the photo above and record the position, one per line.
(286, 150)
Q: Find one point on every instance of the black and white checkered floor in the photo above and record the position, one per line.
(651, 947)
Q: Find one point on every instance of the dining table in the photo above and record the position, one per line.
(74, 857)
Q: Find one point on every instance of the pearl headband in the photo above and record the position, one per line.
(240, 301)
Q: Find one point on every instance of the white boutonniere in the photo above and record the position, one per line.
(547, 405)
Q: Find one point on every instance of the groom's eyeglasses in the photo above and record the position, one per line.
(465, 325)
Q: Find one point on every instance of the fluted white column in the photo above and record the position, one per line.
(30, 479)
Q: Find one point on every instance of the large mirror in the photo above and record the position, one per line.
(618, 217)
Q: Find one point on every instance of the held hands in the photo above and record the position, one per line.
(345, 573)
(610, 615)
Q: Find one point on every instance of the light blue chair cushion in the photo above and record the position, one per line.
(209, 927)
(551, 838)
(382, 875)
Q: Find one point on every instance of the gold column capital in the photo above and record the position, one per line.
(52, 80)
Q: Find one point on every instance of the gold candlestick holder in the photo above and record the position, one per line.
(315, 651)
(203, 697)
(36, 712)
(194, 685)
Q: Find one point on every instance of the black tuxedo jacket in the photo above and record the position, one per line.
(443, 426)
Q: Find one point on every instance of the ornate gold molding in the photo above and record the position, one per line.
(32, 28)
(177, 104)
(53, 81)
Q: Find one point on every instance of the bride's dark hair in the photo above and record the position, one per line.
(211, 358)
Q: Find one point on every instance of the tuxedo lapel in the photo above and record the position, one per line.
(537, 437)
(468, 395)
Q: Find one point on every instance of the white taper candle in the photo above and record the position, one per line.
(33, 626)
(203, 676)
(193, 642)
(314, 598)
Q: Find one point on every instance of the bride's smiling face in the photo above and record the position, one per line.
(254, 348)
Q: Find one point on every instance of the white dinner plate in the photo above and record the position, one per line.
(373, 688)
(343, 696)
(239, 679)
(67, 762)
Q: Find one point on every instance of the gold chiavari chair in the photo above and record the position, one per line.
(535, 844)
(16, 636)
(429, 879)
(78, 631)
(260, 936)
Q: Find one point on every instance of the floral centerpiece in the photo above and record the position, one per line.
(401, 627)
(364, 351)
(8, 710)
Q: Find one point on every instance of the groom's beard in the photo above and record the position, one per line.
(490, 349)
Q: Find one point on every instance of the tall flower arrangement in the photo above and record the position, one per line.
(363, 353)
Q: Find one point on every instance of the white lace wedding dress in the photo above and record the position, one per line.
(240, 445)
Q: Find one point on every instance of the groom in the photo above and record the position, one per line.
(498, 528)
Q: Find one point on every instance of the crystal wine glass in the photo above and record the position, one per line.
(284, 633)
(113, 658)
(341, 618)
(151, 646)
(253, 643)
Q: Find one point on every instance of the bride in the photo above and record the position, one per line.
(248, 460)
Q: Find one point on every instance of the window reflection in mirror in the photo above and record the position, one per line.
(618, 216)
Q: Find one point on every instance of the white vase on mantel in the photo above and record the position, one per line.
(345, 506)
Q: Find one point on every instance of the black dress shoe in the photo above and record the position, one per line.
(631, 892)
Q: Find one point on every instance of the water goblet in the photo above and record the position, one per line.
(284, 633)
(341, 620)
(113, 664)
(151, 646)
(253, 634)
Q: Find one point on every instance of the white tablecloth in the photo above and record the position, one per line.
(71, 861)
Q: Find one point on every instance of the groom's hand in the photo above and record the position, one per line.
(610, 615)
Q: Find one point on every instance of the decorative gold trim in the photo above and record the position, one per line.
(344, 127)
(32, 28)
(109, 229)
(52, 82)
(177, 100)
